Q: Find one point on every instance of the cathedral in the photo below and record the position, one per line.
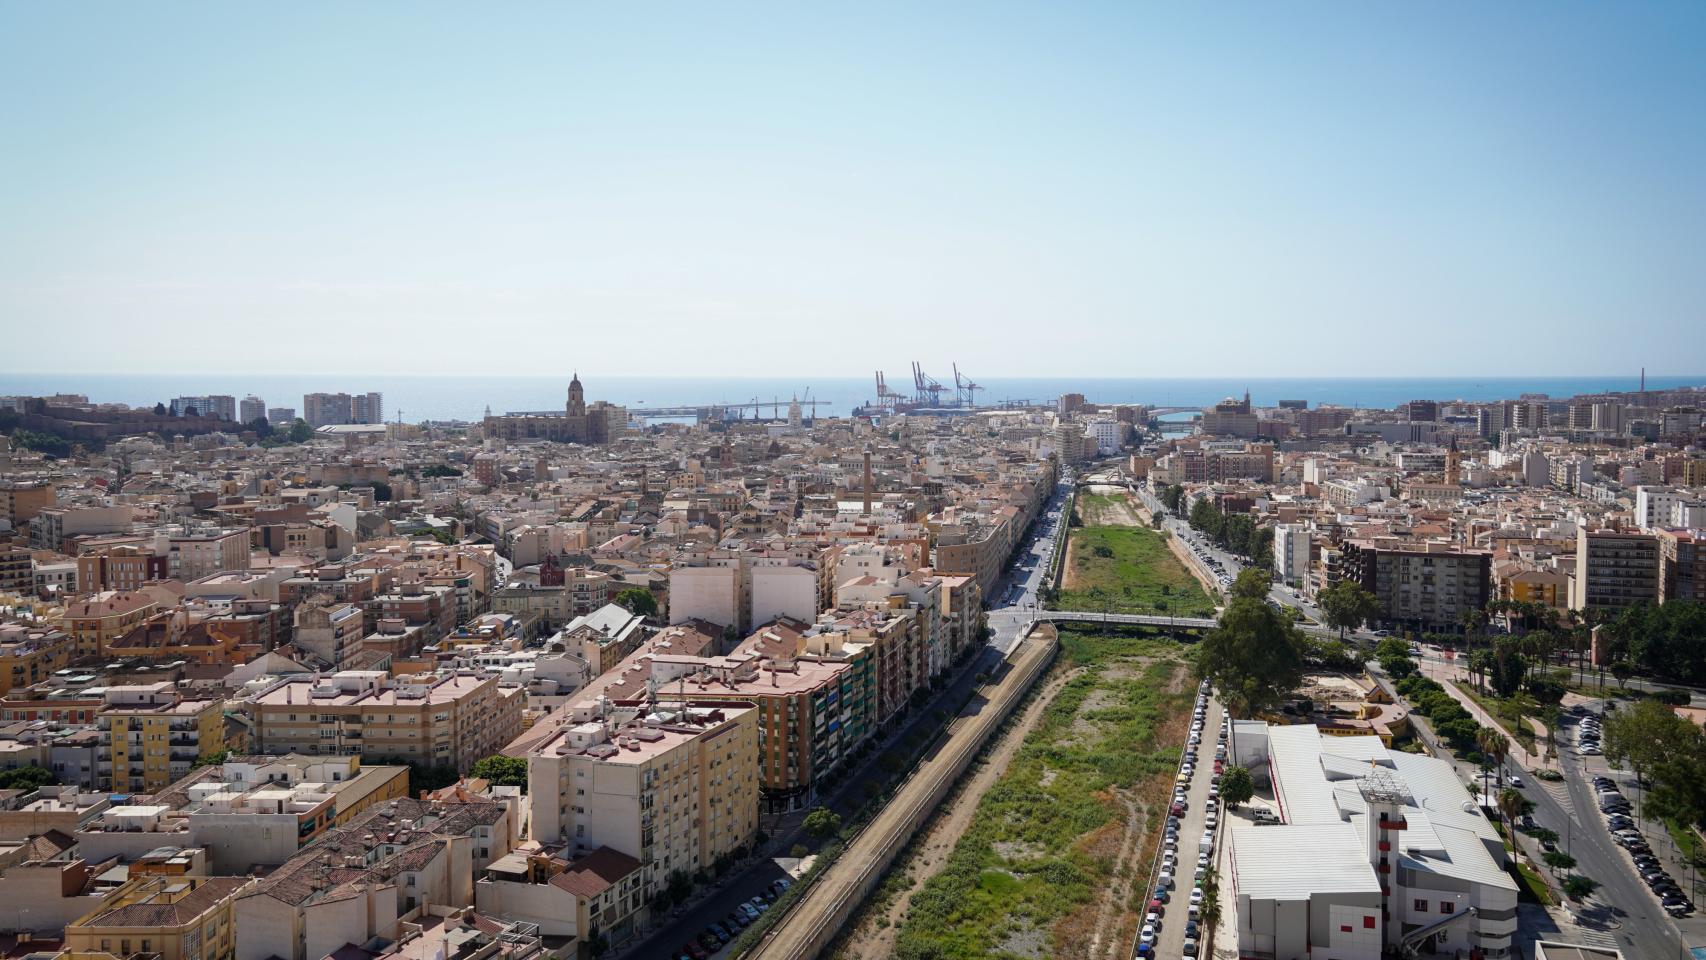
(599, 423)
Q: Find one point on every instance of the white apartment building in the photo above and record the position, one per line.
(712, 591)
(1110, 435)
(1659, 507)
(674, 786)
(1345, 493)
(1291, 553)
(782, 587)
(743, 588)
(1379, 850)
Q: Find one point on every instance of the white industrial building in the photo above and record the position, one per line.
(1378, 850)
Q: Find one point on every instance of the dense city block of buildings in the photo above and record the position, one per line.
(240, 638)
(263, 669)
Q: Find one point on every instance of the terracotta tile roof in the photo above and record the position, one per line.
(596, 872)
(48, 845)
(207, 894)
(319, 872)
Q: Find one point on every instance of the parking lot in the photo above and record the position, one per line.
(1188, 845)
(1651, 852)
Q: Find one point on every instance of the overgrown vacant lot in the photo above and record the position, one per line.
(1054, 859)
(1098, 509)
(1128, 570)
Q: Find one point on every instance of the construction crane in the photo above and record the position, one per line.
(928, 390)
(887, 399)
(965, 391)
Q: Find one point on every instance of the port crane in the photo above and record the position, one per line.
(965, 391)
(928, 390)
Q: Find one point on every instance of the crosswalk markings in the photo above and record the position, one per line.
(1593, 938)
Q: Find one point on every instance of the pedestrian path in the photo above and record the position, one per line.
(1444, 675)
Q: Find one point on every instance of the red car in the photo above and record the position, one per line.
(694, 950)
(1157, 907)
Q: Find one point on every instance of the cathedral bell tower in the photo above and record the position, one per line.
(577, 397)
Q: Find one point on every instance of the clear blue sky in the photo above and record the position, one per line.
(1038, 188)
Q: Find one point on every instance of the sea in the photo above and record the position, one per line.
(440, 398)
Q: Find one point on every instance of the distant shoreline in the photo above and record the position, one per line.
(466, 397)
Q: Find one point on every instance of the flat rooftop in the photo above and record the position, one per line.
(300, 693)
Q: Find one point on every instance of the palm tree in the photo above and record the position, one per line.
(1574, 629)
(1474, 621)
(1494, 746)
(1497, 608)
(1511, 804)
(1549, 619)
(1480, 664)
(1538, 645)
(1210, 899)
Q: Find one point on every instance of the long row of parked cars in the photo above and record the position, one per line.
(717, 935)
(1623, 830)
(1587, 733)
(1199, 546)
(1171, 859)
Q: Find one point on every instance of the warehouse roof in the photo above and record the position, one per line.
(1297, 861)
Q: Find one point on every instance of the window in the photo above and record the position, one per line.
(1446, 906)
(1421, 905)
(1368, 922)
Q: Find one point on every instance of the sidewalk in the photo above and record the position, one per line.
(1445, 671)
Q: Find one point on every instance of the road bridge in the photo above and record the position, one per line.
(1156, 620)
(1132, 619)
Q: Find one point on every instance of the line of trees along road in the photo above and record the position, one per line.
(1255, 657)
(1236, 532)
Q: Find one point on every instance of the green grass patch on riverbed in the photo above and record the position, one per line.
(1037, 847)
(1129, 570)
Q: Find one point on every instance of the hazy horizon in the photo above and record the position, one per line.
(1098, 189)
